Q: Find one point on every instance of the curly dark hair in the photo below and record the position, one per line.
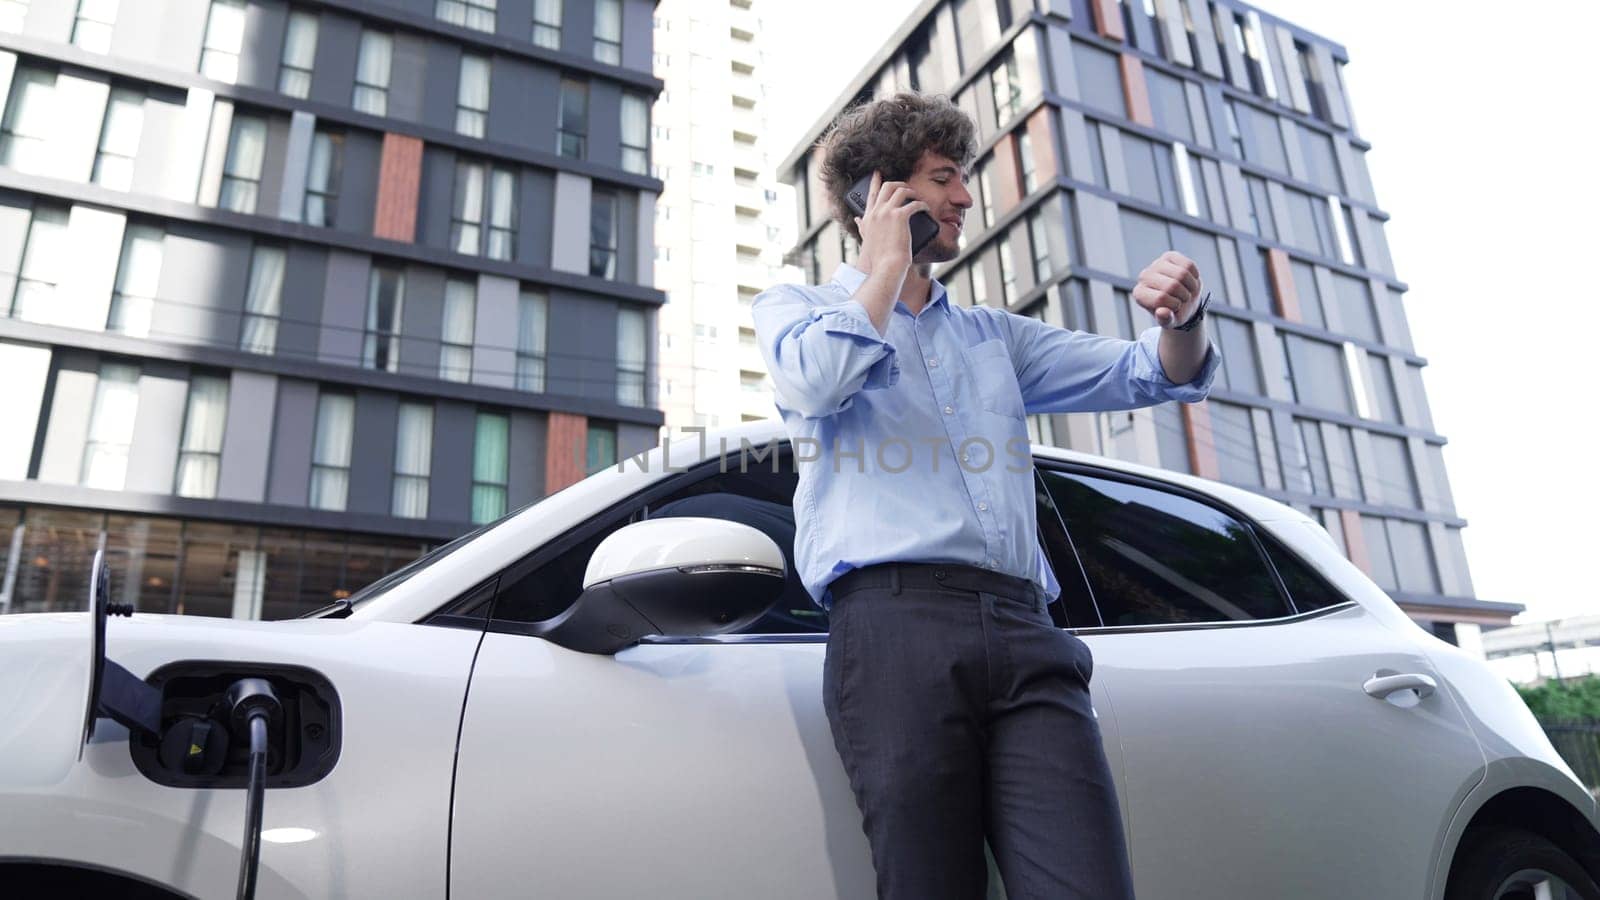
(889, 136)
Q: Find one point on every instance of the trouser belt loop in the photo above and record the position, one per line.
(894, 579)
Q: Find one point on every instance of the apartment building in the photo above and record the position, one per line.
(292, 292)
(1113, 131)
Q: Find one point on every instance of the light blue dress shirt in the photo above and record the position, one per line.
(912, 446)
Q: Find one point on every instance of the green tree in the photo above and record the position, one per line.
(1577, 698)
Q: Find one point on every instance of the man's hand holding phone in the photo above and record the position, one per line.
(885, 228)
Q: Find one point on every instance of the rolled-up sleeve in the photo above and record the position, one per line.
(1060, 370)
(820, 353)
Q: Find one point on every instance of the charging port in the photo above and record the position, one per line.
(195, 748)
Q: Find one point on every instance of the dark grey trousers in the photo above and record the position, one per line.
(961, 712)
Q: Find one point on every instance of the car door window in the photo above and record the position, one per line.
(1156, 557)
(548, 581)
(1307, 590)
(1075, 607)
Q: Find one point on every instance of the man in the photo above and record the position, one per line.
(959, 711)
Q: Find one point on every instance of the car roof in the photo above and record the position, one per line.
(534, 525)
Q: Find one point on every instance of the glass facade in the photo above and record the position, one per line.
(170, 565)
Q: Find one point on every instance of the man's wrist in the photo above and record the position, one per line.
(1196, 316)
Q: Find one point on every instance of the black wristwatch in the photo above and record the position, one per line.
(1196, 316)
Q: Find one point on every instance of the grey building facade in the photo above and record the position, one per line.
(1113, 131)
(291, 292)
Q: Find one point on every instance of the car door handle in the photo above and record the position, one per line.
(1381, 686)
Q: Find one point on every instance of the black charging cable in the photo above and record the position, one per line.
(253, 710)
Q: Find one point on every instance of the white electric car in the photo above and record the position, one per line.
(616, 692)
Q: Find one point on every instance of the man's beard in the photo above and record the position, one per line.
(938, 251)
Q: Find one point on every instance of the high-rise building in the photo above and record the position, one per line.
(290, 292)
(1110, 132)
(723, 220)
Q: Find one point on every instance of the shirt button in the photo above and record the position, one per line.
(933, 362)
(948, 410)
(993, 564)
(963, 457)
(982, 506)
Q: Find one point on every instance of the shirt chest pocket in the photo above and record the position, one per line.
(994, 379)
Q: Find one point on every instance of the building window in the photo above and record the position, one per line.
(1189, 180)
(12, 13)
(1235, 138)
(1006, 83)
(572, 132)
(25, 130)
(44, 258)
(475, 14)
(413, 458)
(299, 51)
(372, 73)
(986, 190)
(603, 235)
(1312, 73)
(483, 225)
(1008, 273)
(608, 31)
(635, 134)
(460, 314)
(385, 294)
(330, 451)
(1041, 249)
(980, 284)
(92, 30)
(138, 274)
(263, 301)
(630, 357)
(219, 55)
(1261, 221)
(1247, 35)
(547, 24)
(241, 173)
(1025, 162)
(1342, 229)
(532, 315)
(600, 447)
(490, 465)
(322, 178)
(200, 454)
(116, 403)
(119, 140)
(472, 96)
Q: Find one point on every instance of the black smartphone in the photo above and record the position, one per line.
(923, 226)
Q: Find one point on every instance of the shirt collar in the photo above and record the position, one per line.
(851, 278)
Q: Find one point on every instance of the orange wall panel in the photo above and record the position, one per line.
(566, 450)
(1005, 178)
(1355, 540)
(1201, 441)
(1042, 135)
(1108, 19)
(1283, 285)
(1135, 91)
(399, 185)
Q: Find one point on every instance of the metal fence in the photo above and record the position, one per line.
(1578, 742)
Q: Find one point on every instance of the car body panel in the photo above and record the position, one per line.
(375, 826)
(1258, 766)
(706, 768)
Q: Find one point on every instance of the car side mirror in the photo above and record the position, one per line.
(675, 577)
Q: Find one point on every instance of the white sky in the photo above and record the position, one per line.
(1483, 132)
